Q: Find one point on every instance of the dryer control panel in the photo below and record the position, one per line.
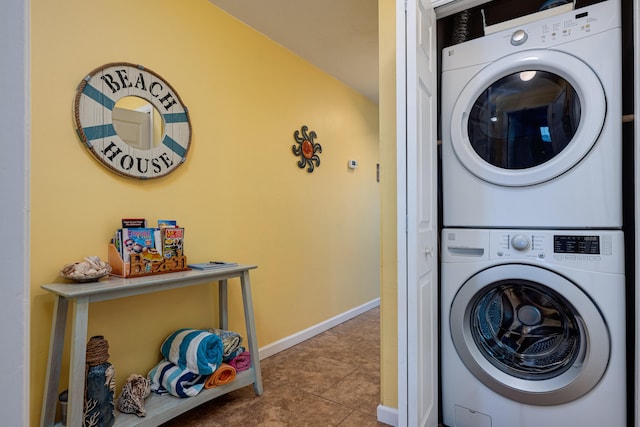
(537, 34)
(595, 250)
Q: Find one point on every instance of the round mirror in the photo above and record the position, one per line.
(138, 123)
(132, 121)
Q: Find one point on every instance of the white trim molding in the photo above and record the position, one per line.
(312, 331)
(388, 415)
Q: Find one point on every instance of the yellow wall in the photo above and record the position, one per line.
(389, 271)
(240, 194)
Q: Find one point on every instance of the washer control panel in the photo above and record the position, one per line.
(580, 248)
(560, 245)
(598, 250)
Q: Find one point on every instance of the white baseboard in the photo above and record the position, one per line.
(297, 338)
(388, 415)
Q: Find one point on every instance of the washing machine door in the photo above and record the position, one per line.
(528, 117)
(530, 334)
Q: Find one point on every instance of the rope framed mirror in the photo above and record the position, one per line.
(132, 121)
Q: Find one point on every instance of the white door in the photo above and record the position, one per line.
(134, 127)
(417, 203)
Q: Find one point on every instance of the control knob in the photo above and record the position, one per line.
(520, 242)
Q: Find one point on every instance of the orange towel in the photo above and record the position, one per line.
(223, 375)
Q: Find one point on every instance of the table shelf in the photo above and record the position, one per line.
(159, 408)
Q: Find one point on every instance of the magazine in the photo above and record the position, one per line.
(167, 223)
(134, 223)
(211, 265)
(172, 242)
(144, 241)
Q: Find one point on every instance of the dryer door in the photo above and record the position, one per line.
(529, 334)
(528, 117)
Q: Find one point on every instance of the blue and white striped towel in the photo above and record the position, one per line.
(168, 378)
(198, 351)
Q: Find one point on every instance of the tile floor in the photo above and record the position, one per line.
(332, 379)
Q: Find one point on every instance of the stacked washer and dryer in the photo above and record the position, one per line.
(532, 281)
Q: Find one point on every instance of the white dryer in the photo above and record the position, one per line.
(533, 328)
(531, 124)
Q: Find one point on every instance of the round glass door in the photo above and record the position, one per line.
(524, 119)
(525, 329)
(528, 118)
(528, 334)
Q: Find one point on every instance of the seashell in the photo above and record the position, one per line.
(95, 262)
(89, 270)
(134, 392)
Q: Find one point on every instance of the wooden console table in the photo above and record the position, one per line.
(159, 408)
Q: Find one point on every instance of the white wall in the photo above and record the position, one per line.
(14, 211)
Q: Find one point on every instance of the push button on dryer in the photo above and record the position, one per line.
(519, 37)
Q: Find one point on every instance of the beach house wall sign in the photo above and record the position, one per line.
(94, 106)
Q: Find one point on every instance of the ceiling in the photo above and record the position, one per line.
(338, 36)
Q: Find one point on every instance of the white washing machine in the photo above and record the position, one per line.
(533, 328)
(531, 124)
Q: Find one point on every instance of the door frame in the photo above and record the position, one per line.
(417, 232)
(14, 188)
(402, 195)
(636, 237)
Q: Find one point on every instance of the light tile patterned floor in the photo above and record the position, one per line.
(332, 379)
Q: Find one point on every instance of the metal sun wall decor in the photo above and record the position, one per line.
(306, 149)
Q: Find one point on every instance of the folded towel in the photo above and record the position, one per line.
(230, 341)
(195, 350)
(241, 362)
(223, 375)
(166, 377)
(238, 351)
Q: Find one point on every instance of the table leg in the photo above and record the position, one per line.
(251, 332)
(56, 345)
(78, 362)
(223, 304)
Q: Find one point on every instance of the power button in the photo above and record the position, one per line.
(519, 37)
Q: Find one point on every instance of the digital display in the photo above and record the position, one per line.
(576, 245)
